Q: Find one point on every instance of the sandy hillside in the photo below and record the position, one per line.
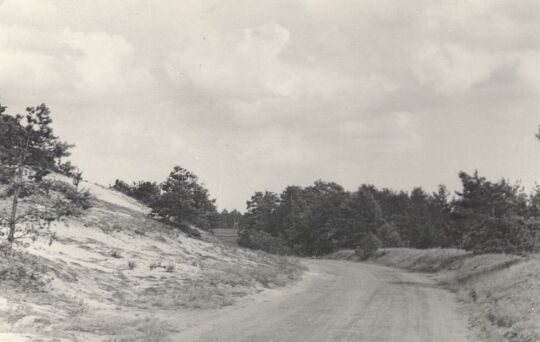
(111, 274)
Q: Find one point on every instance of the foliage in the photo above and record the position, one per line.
(66, 169)
(183, 199)
(502, 235)
(20, 270)
(260, 211)
(322, 218)
(79, 198)
(389, 235)
(257, 239)
(27, 143)
(359, 215)
(368, 246)
(144, 191)
(122, 187)
(494, 216)
(29, 151)
(226, 219)
(423, 229)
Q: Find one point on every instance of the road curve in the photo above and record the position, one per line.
(340, 301)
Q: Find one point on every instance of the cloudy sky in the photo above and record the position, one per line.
(256, 95)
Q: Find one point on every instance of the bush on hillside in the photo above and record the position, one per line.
(80, 198)
(184, 200)
(368, 246)
(67, 169)
(143, 191)
(20, 270)
(121, 186)
(256, 239)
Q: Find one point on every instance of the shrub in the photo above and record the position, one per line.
(473, 295)
(256, 239)
(116, 254)
(155, 264)
(170, 268)
(359, 252)
(152, 329)
(132, 264)
(78, 308)
(368, 246)
(80, 199)
(21, 270)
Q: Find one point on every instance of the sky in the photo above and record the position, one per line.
(258, 95)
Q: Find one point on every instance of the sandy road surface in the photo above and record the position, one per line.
(337, 301)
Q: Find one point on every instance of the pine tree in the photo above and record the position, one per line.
(184, 200)
(494, 215)
(27, 146)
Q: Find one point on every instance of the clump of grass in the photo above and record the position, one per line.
(160, 238)
(199, 294)
(132, 264)
(473, 295)
(21, 270)
(116, 254)
(78, 308)
(152, 329)
(119, 329)
(155, 264)
(206, 296)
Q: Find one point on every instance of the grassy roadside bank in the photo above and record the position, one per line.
(501, 292)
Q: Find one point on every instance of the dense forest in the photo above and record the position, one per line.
(484, 216)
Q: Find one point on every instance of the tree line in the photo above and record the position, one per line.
(484, 216)
(319, 219)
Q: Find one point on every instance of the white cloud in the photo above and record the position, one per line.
(451, 68)
(105, 64)
(69, 63)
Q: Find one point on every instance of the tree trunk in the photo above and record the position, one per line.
(18, 182)
(13, 217)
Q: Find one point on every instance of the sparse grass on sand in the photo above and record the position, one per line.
(501, 292)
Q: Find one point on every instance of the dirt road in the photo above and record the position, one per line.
(338, 301)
